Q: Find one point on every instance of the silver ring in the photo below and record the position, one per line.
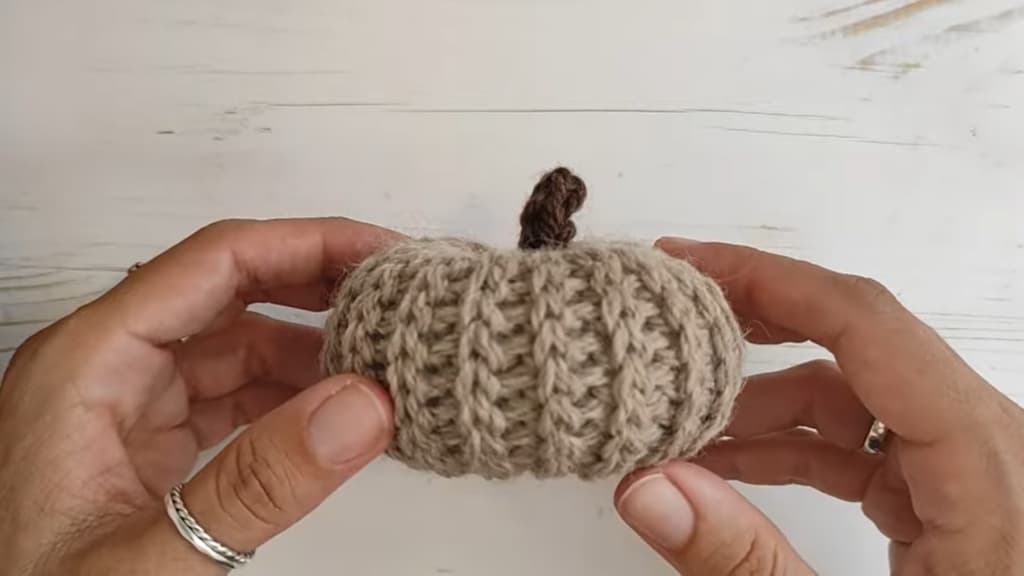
(200, 539)
(874, 443)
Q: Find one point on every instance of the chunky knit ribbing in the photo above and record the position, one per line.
(592, 359)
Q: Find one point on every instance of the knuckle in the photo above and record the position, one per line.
(259, 483)
(757, 556)
(24, 352)
(870, 291)
(879, 515)
(222, 228)
(64, 330)
(887, 506)
(870, 507)
(802, 468)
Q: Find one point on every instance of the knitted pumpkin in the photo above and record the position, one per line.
(558, 358)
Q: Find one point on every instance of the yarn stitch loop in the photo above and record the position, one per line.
(588, 360)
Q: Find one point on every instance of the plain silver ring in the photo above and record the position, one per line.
(199, 538)
(874, 442)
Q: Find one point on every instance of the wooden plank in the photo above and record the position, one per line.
(880, 137)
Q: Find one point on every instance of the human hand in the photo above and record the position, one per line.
(946, 491)
(106, 410)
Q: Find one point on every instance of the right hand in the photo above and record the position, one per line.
(948, 490)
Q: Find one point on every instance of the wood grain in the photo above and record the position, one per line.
(881, 137)
(884, 19)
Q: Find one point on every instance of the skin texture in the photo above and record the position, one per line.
(101, 413)
(104, 411)
(947, 490)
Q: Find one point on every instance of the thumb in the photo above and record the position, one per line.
(284, 465)
(701, 525)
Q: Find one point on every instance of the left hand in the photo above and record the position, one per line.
(104, 411)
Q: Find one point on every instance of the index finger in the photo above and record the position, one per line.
(295, 262)
(901, 370)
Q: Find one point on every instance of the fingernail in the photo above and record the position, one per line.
(657, 509)
(675, 242)
(346, 426)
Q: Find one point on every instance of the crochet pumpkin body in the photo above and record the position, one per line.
(591, 359)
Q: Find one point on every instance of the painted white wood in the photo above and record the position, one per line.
(884, 138)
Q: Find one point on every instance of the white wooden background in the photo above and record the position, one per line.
(884, 137)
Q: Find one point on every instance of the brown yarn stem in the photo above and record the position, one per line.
(547, 217)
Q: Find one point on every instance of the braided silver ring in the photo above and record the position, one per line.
(874, 443)
(199, 538)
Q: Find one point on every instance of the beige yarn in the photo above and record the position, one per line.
(592, 360)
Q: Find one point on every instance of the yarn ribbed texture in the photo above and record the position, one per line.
(589, 360)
